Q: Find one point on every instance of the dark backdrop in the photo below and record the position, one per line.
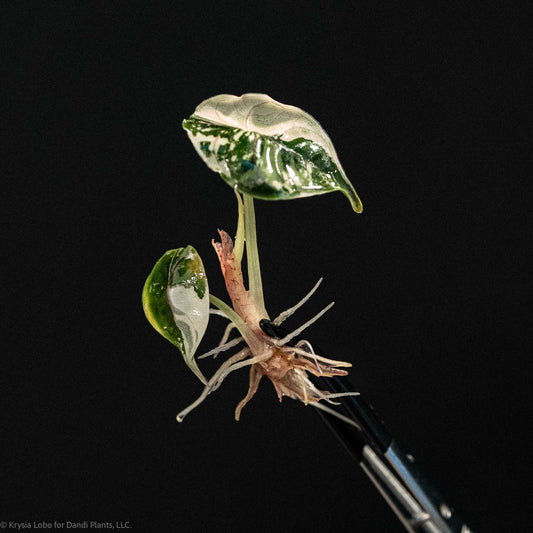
(426, 107)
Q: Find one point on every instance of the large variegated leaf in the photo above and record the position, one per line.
(176, 301)
(267, 149)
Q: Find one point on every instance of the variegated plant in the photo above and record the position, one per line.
(266, 150)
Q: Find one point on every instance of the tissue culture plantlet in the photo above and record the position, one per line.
(266, 150)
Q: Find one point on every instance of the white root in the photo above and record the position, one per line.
(286, 314)
(227, 332)
(295, 333)
(221, 348)
(310, 352)
(233, 363)
(315, 357)
(255, 378)
(210, 384)
(223, 375)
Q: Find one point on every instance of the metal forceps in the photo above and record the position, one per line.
(415, 501)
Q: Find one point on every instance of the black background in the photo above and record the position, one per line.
(427, 108)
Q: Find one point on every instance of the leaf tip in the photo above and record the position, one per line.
(357, 205)
(355, 201)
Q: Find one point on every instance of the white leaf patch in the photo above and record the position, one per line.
(191, 315)
(264, 115)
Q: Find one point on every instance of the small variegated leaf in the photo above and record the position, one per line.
(267, 149)
(176, 301)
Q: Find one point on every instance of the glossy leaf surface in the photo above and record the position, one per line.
(267, 149)
(176, 301)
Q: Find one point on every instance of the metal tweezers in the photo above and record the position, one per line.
(414, 500)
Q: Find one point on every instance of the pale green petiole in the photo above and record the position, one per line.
(238, 249)
(252, 256)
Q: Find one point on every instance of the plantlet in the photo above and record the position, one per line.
(266, 150)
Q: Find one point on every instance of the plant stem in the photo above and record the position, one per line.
(247, 334)
(239, 236)
(252, 256)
